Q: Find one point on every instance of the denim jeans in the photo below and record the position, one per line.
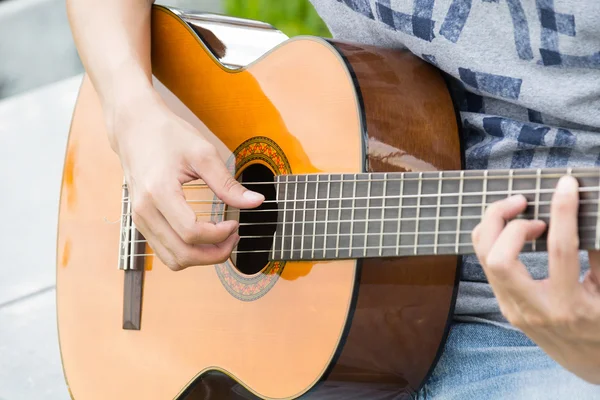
(482, 361)
(489, 362)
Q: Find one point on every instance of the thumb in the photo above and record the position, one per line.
(216, 175)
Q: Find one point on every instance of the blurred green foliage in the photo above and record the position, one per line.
(292, 17)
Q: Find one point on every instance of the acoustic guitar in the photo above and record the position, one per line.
(344, 280)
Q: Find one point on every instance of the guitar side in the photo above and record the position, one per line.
(319, 325)
(404, 305)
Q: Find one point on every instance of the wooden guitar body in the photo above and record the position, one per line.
(281, 330)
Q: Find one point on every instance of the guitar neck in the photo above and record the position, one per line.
(338, 216)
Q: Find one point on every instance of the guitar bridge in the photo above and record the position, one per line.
(132, 249)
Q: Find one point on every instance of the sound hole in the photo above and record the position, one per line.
(257, 226)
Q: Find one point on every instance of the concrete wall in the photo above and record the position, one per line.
(36, 45)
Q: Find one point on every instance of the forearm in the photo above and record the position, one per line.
(113, 41)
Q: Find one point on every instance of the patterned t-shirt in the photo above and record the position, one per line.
(527, 79)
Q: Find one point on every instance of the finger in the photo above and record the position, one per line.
(502, 263)
(494, 221)
(208, 254)
(171, 203)
(152, 241)
(515, 289)
(213, 171)
(563, 237)
(204, 254)
(182, 255)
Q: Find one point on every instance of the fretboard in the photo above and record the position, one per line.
(340, 216)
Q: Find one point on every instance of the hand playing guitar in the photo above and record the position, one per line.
(159, 152)
(561, 314)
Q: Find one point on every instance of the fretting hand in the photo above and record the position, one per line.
(560, 314)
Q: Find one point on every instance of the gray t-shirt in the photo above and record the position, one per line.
(527, 79)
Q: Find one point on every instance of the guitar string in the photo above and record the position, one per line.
(382, 209)
(410, 246)
(587, 189)
(386, 208)
(383, 221)
(447, 218)
(405, 178)
(584, 189)
(453, 233)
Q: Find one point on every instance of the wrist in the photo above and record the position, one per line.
(128, 101)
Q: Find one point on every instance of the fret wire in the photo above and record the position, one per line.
(400, 204)
(353, 212)
(459, 211)
(418, 212)
(294, 215)
(437, 216)
(337, 241)
(312, 250)
(327, 212)
(367, 216)
(537, 200)
(275, 235)
(304, 217)
(284, 217)
(510, 182)
(383, 214)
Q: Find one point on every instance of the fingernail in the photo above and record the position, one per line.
(253, 196)
(566, 184)
(517, 199)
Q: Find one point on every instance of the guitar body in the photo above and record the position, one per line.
(281, 330)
